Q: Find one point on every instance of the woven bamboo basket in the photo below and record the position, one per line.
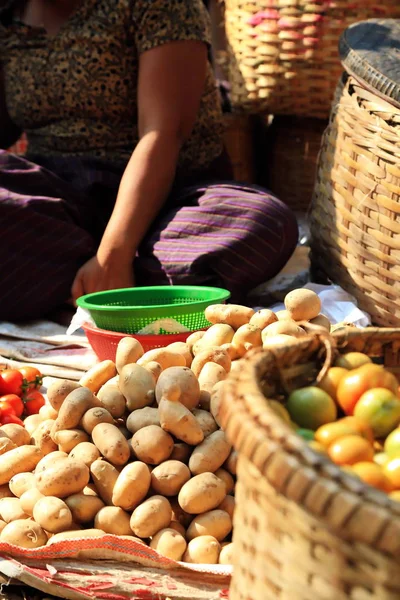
(304, 529)
(283, 54)
(239, 143)
(293, 144)
(355, 212)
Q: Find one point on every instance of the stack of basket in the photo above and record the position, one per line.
(282, 59)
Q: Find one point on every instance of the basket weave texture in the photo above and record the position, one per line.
(292, 156)
(303, 528)
(355, 212)
(283, 54)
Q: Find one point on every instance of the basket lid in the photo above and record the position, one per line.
(370, 52)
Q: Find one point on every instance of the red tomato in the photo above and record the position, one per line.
(6, 409)
(33, 378)
(11, 382)
(352, 386)
(15, 402)
(33, 402)
(4, 419)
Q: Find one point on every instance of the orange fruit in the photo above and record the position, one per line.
(310, 407)
(329, 433)
(392, 472)
(373, 474)
(331, 380)
(352, 360)
(350, 450)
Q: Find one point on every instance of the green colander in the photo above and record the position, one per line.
(130, 310)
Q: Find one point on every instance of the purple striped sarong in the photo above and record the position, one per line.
(53, 214)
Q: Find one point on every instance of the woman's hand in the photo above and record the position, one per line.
(94, 276)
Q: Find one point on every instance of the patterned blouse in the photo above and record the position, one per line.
(75, 93)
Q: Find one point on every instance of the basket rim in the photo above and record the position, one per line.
(221, 294)
(108, 333)
(279, 454)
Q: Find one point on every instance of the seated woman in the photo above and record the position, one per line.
(126, 181)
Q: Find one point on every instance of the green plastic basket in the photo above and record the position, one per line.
(130, 310)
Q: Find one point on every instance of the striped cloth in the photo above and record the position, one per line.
(53, 213)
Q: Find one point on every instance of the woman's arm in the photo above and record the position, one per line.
(9, 133)
(171, 82)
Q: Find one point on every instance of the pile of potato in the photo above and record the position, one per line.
(135, 448)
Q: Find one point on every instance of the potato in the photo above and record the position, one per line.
(49, 459)
(41, 437)
(98, 375)
(176, 526)
(112, 400)
(215, 401)
(226, 554)
(29, 499)
(111, 443)
(202, 550)
(321, 321)
(178, 420)
(274, 341)
(150, 516)
(6, 445)
(18, 460)
(234, 315)
(181, 452)
(228, 505)
(73, 535)
(5, 491)
(131, 486)
(216, 355)
(155, 369)
(137, 385)
(114, 520)
(65, 477)
(52, 514)
(142, 417)
(152, 445)
(2, 525)
(231, 462)
(83, 508)
(302, 304)
(286, 327)
(178, 384)
(246, 338)
(164, 356)
(16, 433)
(59, 390)
(68, 439)
(206, 421)
(24, 533)
(201, 493)
(226, 478)
(262, 318)
(31, 423)
(21, 482)
(193, 338)
(104, 476)
(169, 543)
(216, 523)
(178, 514)
(168, 478)
(94, 416)
(90, 489)
(205, 400)
(85, 452)
(129, 350)
(73, 408)
(216, 335)
(210, 375)
(48, 412)
(231, 350)
(210, 454)
(11, 510)
(182, 348)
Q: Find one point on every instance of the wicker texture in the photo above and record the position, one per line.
(238, 138)
(283, 54)
(355, 214)
(293, 145)
(304, 529)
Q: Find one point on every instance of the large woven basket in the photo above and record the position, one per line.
(239, 143)
(355, 213)
(283, 54)
(304, 529)
(290, 161)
